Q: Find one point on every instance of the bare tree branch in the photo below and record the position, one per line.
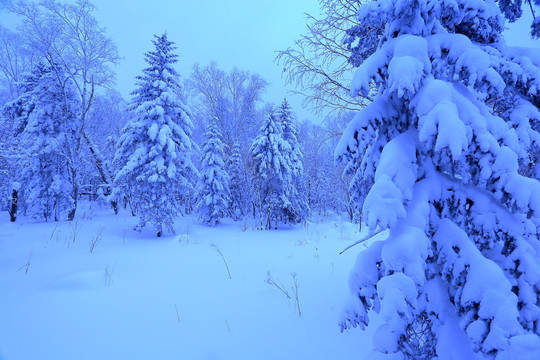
(319, 62)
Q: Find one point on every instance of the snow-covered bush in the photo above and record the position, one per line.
(441, 158)
(155, 148)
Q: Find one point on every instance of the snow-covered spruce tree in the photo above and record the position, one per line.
(46, 131)
(299, 209)
(238, 205)
(15, 113)
(213, 187)
(273, 172)
(442, 144)
(153, 155)
(13, 120)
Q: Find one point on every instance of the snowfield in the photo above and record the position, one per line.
(135, 296)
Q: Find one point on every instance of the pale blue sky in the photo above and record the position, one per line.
(237, 33)
(241, 33)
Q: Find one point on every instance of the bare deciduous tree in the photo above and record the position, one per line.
(319, 63)
(69, 37)
(15, 60)
(230, 97)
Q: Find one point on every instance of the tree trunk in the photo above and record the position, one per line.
(14, 205)
(101, 170)
(75, 195)
(131, 207)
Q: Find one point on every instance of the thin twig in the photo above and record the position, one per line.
(109, 274)
(95, 240)
(54, 230)
(222, 257)
(74, 230)
(27, 265)
(177, 312)
(295, 289)
(270, 281)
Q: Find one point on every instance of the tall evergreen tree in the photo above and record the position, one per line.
(213, 188)
(46, 128)
(238, 196)
(155, 148)
(299, 209)
(273, 171)
(452, 119)
(13, 120)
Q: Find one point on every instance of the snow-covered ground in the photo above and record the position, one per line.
(139, 297)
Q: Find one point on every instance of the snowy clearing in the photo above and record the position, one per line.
(138, 297)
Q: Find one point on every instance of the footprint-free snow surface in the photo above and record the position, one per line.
(95, 289)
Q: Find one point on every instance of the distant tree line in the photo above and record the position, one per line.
(206, 143)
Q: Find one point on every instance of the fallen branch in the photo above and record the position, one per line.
(366, 238)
